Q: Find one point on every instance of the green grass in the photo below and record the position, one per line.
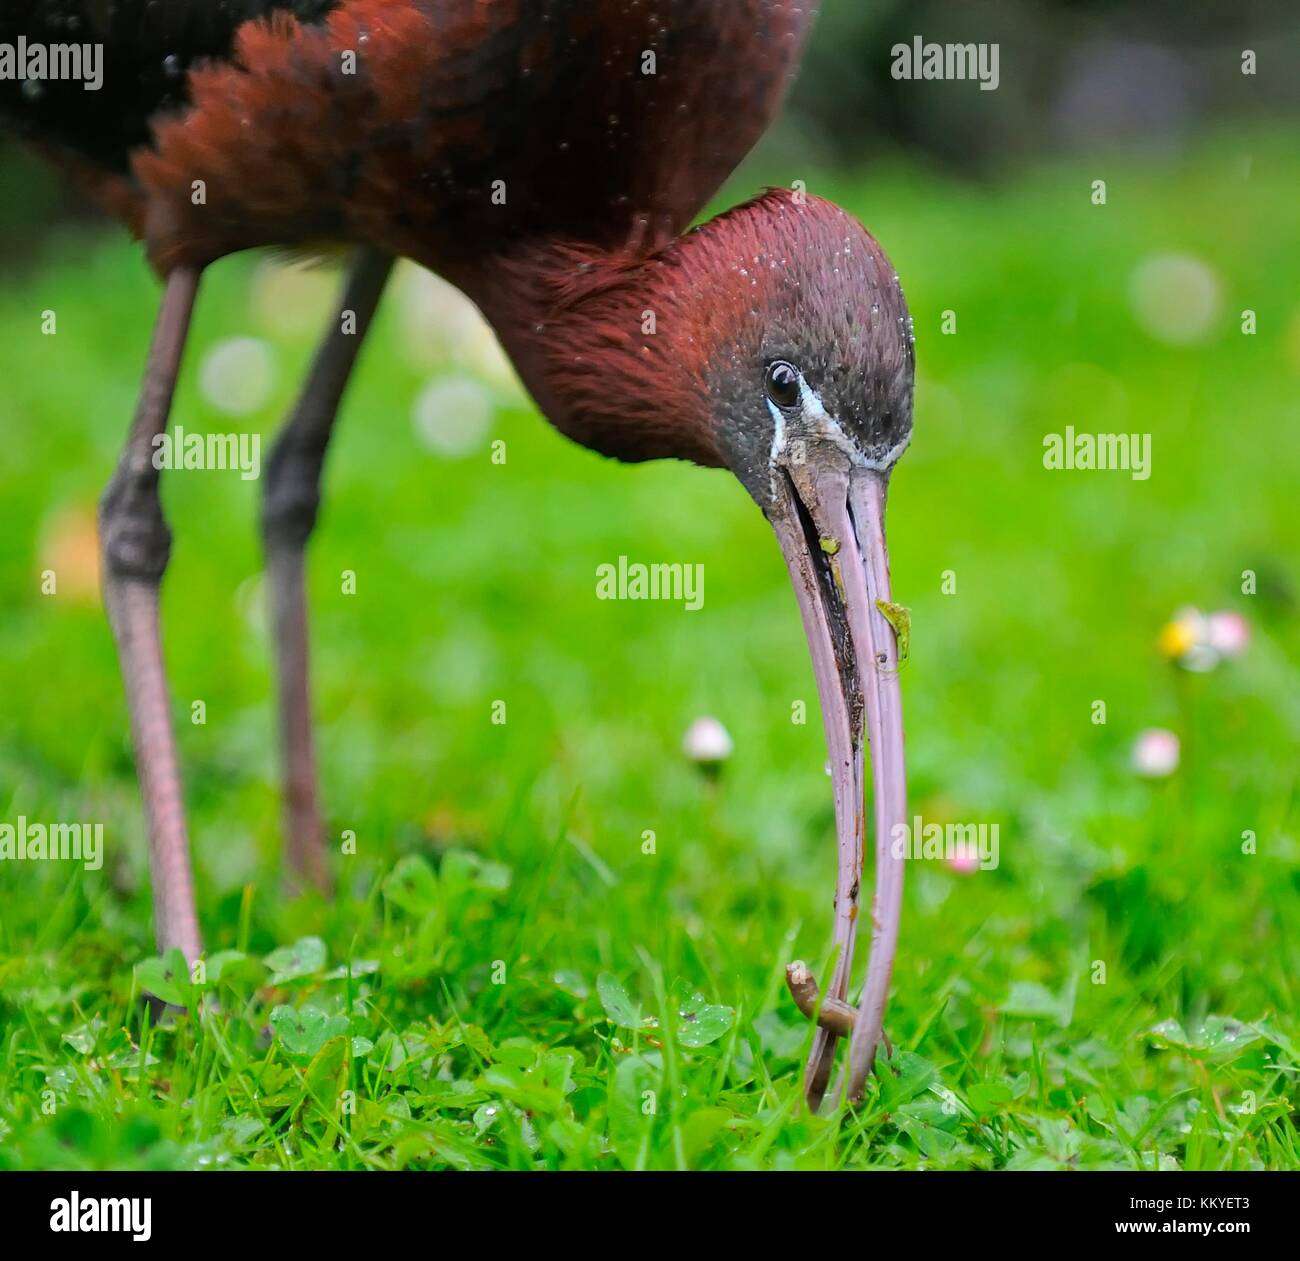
(1120, 992)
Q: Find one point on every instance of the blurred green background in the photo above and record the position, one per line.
(523, 842)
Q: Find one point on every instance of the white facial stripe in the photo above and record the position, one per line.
(821, 424)
(778, 432)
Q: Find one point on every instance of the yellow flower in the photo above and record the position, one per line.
(1188, 643)
(1177, 638)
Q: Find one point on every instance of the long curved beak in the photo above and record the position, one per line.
(830, 520)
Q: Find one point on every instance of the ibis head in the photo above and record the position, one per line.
(812, 404)
(773, 341)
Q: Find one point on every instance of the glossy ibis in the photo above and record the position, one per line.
(547, 157)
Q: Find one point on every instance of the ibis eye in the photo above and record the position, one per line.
(783, 384)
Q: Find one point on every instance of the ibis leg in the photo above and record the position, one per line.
(135, 543)
(289, 510)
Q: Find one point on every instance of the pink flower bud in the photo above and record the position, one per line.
(1229, 633)
(707, 742)
(1155, 753)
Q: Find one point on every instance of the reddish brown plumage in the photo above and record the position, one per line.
(275, 134)
(450, 96)
(520, 148)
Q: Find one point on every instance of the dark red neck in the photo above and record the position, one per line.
(601, 341)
